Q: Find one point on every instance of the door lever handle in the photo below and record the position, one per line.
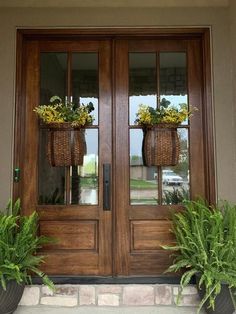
(106, 187)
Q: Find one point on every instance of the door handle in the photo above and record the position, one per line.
(106, 187)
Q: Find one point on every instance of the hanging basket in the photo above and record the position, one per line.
(161, 145)
(66, 145)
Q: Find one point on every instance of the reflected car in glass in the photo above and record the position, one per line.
(169, 177)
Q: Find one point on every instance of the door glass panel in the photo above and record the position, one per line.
(85, 80)
(53, 69)
(173, 79)
(143, 180)
(175, 180)
(142, 82)
(51, 180)
(84, 179)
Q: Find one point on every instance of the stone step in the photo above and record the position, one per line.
(116, 296)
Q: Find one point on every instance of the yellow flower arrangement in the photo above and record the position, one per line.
(59, 112)
(148, 116)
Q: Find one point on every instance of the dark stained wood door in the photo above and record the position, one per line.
(151, 72)
(117, 75)
(69, 200)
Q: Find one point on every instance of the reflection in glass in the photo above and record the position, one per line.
(142, 82)
(84, 179)
(85, 80)
(51, 180)
(53, 69)
(143, 180)
(173, 78)
(175, 180)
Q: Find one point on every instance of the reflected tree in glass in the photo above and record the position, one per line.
(175, 180)
(84, 179)
(51, 180)
(142, 82)
(173, 79)
(143, 180)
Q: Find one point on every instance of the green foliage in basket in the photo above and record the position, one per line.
(148, 116)
(19, 243)
(205, 245)
(59, 112)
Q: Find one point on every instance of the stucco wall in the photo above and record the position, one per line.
(232, 12)
(218, 18)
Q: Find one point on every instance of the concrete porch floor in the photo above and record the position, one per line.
(107, 310)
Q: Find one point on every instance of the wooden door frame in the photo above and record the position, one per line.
(203, 34)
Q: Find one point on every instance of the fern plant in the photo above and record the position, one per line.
(205, 245)
(19, 243)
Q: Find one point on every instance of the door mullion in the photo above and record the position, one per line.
(69, 99)
(159, 170)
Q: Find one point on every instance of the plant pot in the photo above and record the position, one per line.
(223, 301)
(10, 298)
(66, 145)
(161, 145)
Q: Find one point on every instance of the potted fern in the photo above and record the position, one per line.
(206, 248)
(18, 260)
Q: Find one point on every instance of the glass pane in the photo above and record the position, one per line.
(142, 82)
(175, 179)
(84, 179)
(85, 80)
(51, 180)
(53, 71)
(143, 180)
(173, 79)
(51, 184)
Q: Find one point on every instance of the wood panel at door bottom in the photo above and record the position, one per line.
(74, 263)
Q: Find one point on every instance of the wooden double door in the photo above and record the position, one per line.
(110, 215)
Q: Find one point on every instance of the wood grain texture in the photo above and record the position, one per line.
(71, 235)
(150, 235)
(197, 135)
(106, 32)
(121, 160)
(70, 263)
(30, 133)
(51, 212)
(19, 116)
(152, 212)
(209, 146)
(150, 264)
(105, 155)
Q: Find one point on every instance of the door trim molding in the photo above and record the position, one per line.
(112, 31)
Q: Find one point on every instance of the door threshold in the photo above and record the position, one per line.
(86, 280)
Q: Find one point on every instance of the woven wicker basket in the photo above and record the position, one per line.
(66, 145)
(161, 145)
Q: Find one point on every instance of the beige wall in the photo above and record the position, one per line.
(223, 98)
(232, 11)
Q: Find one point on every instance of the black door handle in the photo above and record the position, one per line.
(106, 187)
